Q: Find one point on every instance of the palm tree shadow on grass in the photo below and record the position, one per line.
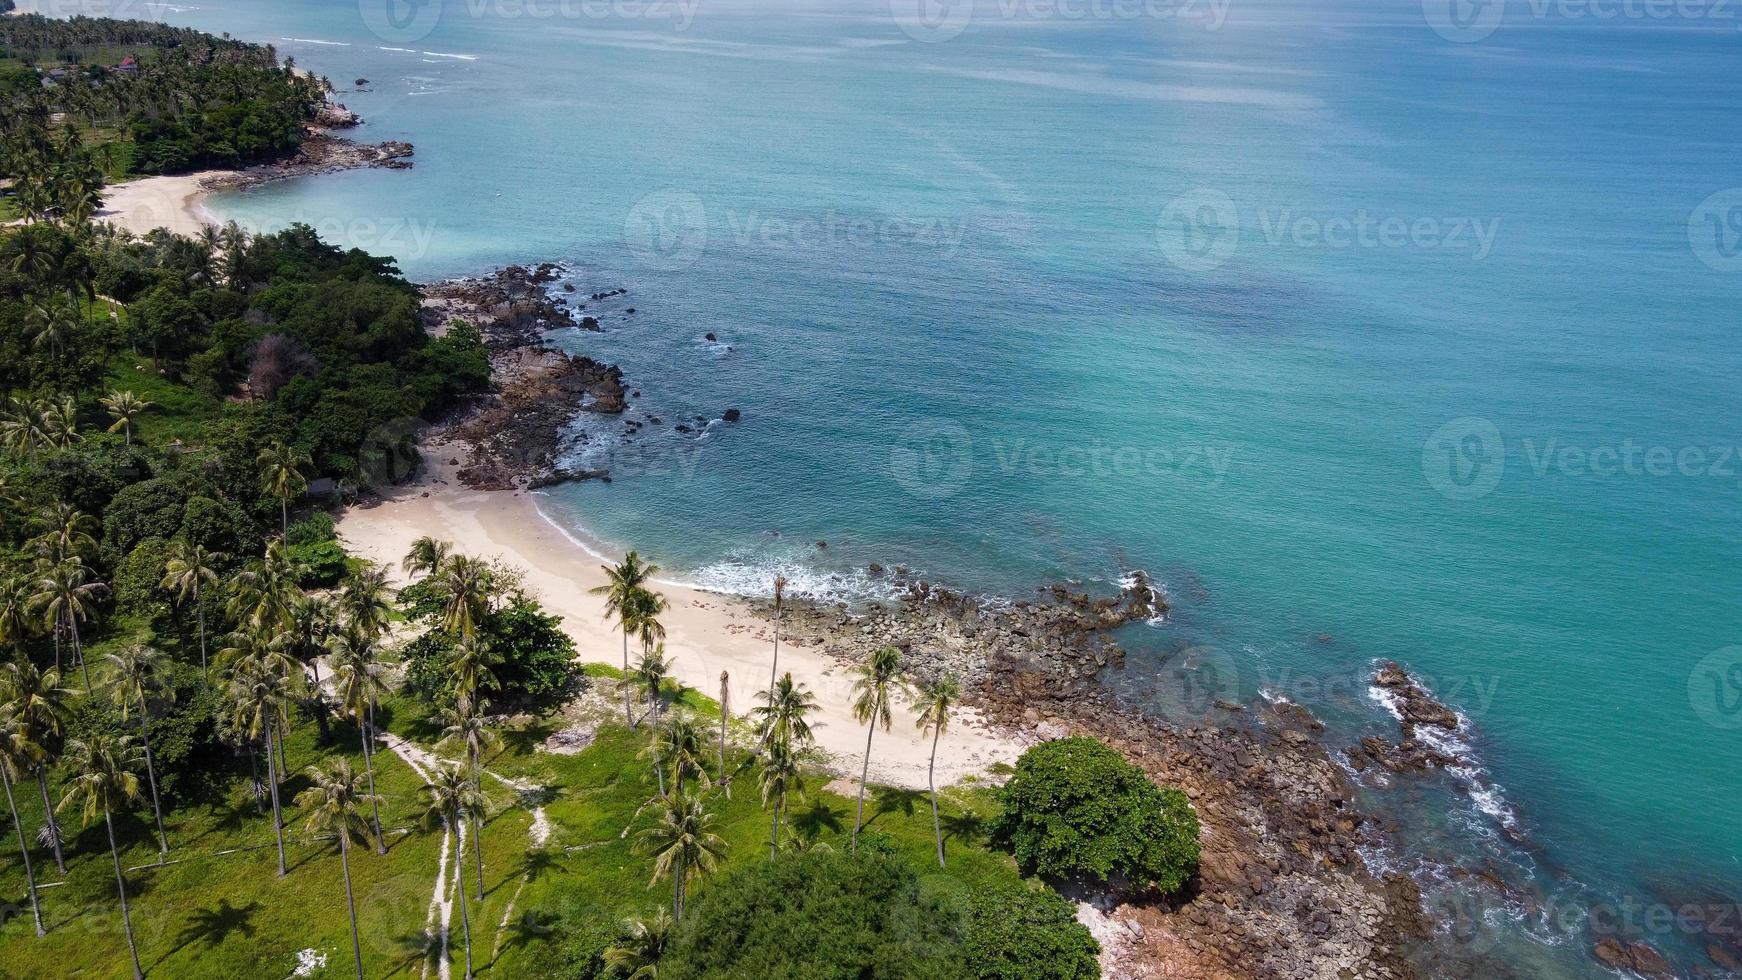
(810, 822)
(893, 799)
(530, 926)
(968, 827)
(211, 927)
(540, 862)
(412, 949)
(523, 740)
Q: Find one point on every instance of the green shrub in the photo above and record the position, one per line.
(1076, 809)
(535, 659)
(313, 529)
(323, 564)
(818, 915)
(1018, 932)
(136, 582)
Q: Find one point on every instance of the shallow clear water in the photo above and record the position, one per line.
(1059, 297)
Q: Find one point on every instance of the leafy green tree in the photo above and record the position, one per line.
(105, 780)
(1027, 932)
(1076, 809)
(334, 808)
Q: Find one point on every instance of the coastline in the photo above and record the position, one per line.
(706, 633)
(175, 203)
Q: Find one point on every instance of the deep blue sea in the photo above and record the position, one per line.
(1372, 329)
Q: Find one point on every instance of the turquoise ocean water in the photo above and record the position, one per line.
(1373, 330)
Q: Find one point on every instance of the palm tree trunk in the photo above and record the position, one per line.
(151, 780)
(272, 784)
(864, 774)
(774, 668)
(931, 782)
(628, 716)
(369, 771)
(774, 830)
(725, 713)
(23, 848)
(677, 892)
(254, 771)
(283, 759)
(350, 899)
(460, 886)
(284, 516)
(79, 652)
(48, 818)
(200, 605)
(477, 836)
(121, 889)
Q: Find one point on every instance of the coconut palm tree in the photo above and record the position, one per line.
(468, 586)
(636, 955)
(41, 706)
(366, 601)
(465, 722)
(65, 533)
(448, 798)
(260, 698)
(725, 715)
(105, 779)
(876, 680)
(265, 590)
(622, 581)
(187, 573)
(650, 674)
(683, 847)
(780, 776)
(678, 745)
(333, 804)
(357, 677)
(282, 475)
(21, 427)
(779, 606)
(65, 594)
(782, 714)
(936, 699)
(141, 674)
(19, 754)
(426, 557)
(469, 669)
(16, 621)
(124, 407)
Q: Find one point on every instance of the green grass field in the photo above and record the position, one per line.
(220, 910)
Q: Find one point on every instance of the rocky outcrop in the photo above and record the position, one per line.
(334, 115)
(1282, 891)
(319, 154)
(1639, 959)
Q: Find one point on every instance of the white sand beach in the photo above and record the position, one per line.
(706, 633)
(157, 202)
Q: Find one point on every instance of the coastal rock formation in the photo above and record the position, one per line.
(1282, 891)
(319, 154)
(334, 115)
(1638, 959)
(516, 435)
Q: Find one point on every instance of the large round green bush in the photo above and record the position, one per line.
(1028, 932)
(1075, 809)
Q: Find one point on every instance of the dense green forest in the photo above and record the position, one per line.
(215, 723)
(88, 99)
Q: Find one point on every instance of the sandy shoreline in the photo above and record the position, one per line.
(706, 633)
(173, 202)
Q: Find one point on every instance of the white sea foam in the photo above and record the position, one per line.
(400, 50)
(457, 57)
(316, 40)
(750, 574)
(1488, 796)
